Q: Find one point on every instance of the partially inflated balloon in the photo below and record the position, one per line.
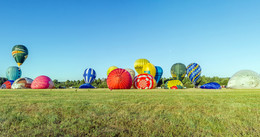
(86, 85)
(178, 71)
(22, 83)
(132, 73)
(13, 73)
(149, 69)
(212, 85)
(42, 82)
(111, 69)
(193, 73)
(7, 84)
(20, 54)
(159, 73)
(154, 84)
(172, 84)
(89, 75)
(119, 79)
(144, 81)
(139, 65)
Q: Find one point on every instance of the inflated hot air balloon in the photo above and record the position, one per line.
(7, 84)
(149, 68)
(193, 73)
(159, 73)
(119, 79)
(86, 85)
(20, 54)
(132, 73)
(178, 71)
(111, 69)
(154, 83)
(212, 85)
(139, 65)
(22, 83)
(89, 75)
(42, 82)
(174, 84)
(13, 73)
(144, 81)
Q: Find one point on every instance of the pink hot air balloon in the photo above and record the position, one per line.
(42, 82)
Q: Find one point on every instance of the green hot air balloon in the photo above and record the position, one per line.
(178, 71)
(20, 54)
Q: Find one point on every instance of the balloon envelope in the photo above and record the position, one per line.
(172, 84)
(144, 81)
(178, 71)
(7, 84)
(139, 65)
(119, 79)
(22, 83)
(86, 85)
(193, 73)
(13, 73)
(132, 73)
(159, 73)
(212, 85)
(20, 54)
(42, 82)
(149, 68)
(111, 69)
(89, 75)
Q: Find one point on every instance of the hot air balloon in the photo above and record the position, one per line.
(42, 82)
(139, 65)
(174, 84)
(149, 68)
(89, 75)
(111, 69)
(132, 73)
(119, 79)
(13, 73)
(86, 85)
(7, 84)
(154, 83)
(212, 85)
(178, 71)
(22, 83)
(193, 73)
(159, 73)
(20, 54)
(144, 81)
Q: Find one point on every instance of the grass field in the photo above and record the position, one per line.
(100, 112)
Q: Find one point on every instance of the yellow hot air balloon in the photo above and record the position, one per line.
(174, 84)
(149, 69)
(111, 69)
(139, 65)
(154, 84)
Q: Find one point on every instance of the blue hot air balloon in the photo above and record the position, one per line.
(13, 73)
(193, 73)
(159, 73)
(212, 85)
(86, 85)
(89, 75)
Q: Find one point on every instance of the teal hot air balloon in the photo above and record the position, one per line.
(178, 71)
(159, 73)
(13, 73)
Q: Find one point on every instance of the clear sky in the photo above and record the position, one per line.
(64, 37)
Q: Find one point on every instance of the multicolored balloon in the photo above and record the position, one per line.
(149, 68)
(42, 82)
(86, 85)
(159, 73)
(144, 81)
(132, 73)
(193, 73)
(111, 69)
(13, 73)
(7, 84)
(139, 65)
(211, 85)
(89, 75)
(178, 71)
(174, 84)
(22, 83)
(20, 54)
(119, 79)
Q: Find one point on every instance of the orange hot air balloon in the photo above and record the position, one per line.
(119, 79)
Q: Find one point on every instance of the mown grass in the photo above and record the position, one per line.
(100, 112)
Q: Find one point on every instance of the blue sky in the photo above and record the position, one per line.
(64, 37)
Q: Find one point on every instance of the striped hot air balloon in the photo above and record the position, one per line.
(89, 75)
(193, 73)
(20, 54)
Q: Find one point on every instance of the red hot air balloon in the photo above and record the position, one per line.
(144, 81)
(119, 79)
(42, 82)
